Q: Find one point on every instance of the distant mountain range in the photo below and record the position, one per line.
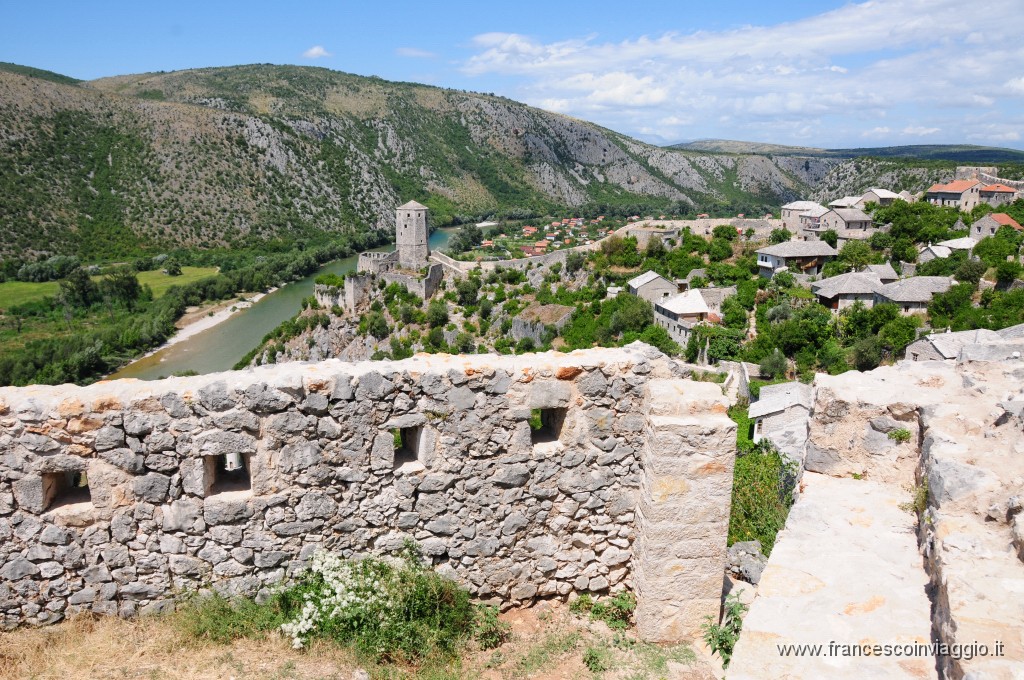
(961, 153)
(212, 156)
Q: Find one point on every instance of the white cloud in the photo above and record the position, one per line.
(841, 70)
(414, 53)
(316, 52)
(1015, 85)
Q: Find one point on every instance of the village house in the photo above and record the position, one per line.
(845, 290)
(912, 295)
(882, 197)
(842, 219)
(714, 297)
(998, 194)
(686, 283)
(963, 194)
(884, 272)
(932, 251)
(964, 243)
(680, 313)
(652, 287)
(802, 257)
(791, 213)
(810, 222)
(990, 224)
(847, 202)
(778, 408)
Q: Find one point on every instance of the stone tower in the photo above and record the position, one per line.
(411, 235)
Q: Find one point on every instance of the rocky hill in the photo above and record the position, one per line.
(210, 156)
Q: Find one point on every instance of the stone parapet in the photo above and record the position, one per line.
(116, 496)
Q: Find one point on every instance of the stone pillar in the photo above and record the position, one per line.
(683, 513)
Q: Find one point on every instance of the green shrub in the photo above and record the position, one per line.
(615, 611)
(721, 639)
(488, 629)
(597, 659)
(901, 435)
(390, 610)
(761, 496)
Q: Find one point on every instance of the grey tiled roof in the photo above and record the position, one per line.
(775, 398)
(799, 249)
(848, 284)
(916, 288)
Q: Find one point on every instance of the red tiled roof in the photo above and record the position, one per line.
(955, 187)
(1006, 221)
(999, 188)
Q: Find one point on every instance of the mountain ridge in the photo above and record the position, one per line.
(214, 156)
(950, 152)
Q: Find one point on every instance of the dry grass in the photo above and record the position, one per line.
(108, 647)
(547, 643)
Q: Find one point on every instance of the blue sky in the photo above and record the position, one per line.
(820, 73)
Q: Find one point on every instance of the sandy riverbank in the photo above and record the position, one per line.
(195, 320)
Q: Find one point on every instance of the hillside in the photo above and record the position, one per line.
(962, 153)
(211, 156)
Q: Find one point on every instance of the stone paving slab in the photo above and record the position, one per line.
(846, 570)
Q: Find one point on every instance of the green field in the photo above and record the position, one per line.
(18, 292)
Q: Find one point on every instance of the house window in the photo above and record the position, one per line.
(226, 473)
(407, 445)
(65, 488)
(546, 424)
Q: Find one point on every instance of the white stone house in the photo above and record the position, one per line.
(680, 313)
(847, 202)
(965, 243)
(933, 252)
(778, 408)
(791, 213)
(882, 197)
(651, 286)
(802, 257)
(810, 222)
(912, 295)
(841, 219)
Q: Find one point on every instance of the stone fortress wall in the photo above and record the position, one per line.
(115, 497)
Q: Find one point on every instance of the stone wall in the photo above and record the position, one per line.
(358, 458)
(425, 286)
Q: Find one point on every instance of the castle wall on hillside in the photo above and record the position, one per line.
(117, 496)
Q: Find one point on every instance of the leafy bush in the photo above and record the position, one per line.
(390, 609)
(615, 611)
(762, 493)
(597, 659)
(721, 639)
(900, 435)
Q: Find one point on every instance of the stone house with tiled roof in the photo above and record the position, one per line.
(963, 194)
(912, 295)
(998, 194)
(652, 287)
(990, 224)
(802, 257)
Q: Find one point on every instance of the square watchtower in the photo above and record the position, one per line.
(411, 235)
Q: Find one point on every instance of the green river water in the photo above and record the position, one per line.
(220, 347)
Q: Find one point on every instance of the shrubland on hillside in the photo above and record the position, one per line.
(210, 156)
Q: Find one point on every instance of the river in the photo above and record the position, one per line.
(220, 347)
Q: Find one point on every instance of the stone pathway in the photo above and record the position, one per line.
(846, 570)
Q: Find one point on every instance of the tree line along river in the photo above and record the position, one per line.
(220, 347)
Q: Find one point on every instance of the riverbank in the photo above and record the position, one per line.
(195, 320)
